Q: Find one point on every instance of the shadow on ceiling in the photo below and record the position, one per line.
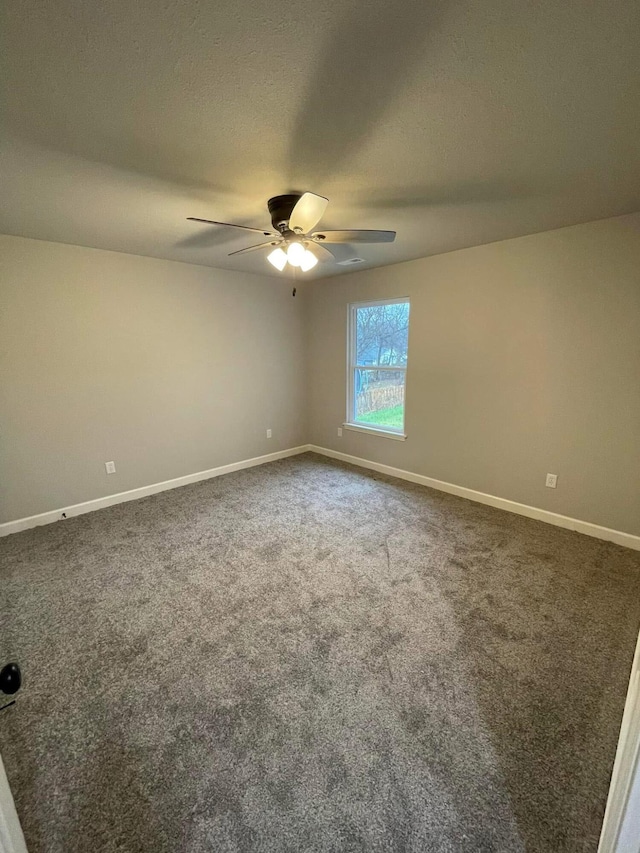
(450, 193)
(366, 60)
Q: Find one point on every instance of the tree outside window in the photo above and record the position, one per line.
(378, 354)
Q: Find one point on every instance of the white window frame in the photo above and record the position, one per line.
(351, 422)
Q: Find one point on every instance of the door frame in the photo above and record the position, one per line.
(621, 826)
(11, 837)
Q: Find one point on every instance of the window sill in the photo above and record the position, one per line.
(383, 433)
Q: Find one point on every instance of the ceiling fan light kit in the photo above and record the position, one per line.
(293, 217)
(296, 255)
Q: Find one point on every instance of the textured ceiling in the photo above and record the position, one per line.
(455, 123)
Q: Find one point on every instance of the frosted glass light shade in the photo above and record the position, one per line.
(278, 259)
(308, 261)
(295, 254)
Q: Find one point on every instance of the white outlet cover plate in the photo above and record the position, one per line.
(552, 481)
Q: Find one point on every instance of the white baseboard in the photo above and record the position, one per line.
(628, 540)
(133, 494)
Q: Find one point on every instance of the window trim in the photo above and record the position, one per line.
(350, 421)
(373, 430)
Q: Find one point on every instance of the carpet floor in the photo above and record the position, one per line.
(307, 656)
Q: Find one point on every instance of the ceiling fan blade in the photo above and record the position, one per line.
(339, 252)
(308, 211)
(231, 225)
(322, 253)
(256, 247)
(354, 236)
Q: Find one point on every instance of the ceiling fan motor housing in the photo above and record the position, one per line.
(281, 208)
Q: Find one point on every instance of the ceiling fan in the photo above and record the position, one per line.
(293, 241)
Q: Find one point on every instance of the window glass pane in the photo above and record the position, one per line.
(382, 334)
(379, 397)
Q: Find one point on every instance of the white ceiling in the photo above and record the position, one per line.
(454, 123)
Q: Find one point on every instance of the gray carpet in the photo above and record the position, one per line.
(309, 657)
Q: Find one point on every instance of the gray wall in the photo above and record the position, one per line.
(524, 358)
(165, 368)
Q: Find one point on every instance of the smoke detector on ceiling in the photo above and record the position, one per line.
(351, 261)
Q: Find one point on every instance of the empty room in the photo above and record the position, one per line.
(320, 427)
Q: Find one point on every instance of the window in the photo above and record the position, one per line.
(378, 349)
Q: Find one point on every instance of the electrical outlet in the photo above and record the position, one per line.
(552, 481)
(110, 467)
(268, 433)
(339, 432)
